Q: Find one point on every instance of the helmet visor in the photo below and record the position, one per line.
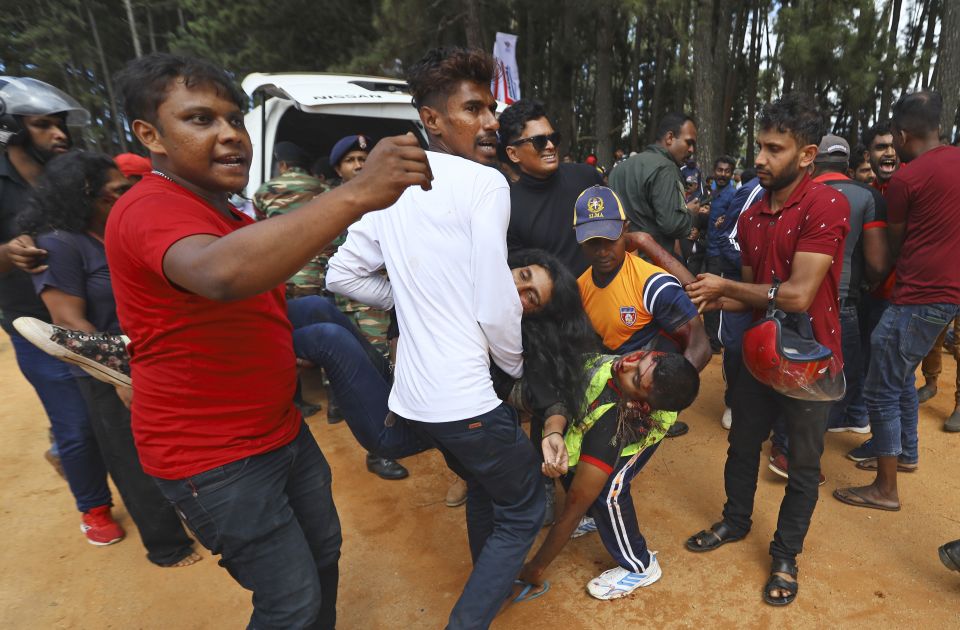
(30, 97)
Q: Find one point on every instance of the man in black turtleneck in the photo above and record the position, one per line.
(544, 191)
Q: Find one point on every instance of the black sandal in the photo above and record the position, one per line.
(777, 582)
(709, 539)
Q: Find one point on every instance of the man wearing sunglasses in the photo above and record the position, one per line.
(541, 196)
(545, 189)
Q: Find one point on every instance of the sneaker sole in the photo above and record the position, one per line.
(33, 333)
(778, 471)
(99, 544)
(653, 577)
(860, 430)
(857, 458)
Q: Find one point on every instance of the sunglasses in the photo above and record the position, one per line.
(539, 142)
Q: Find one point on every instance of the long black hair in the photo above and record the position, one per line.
(65, 195)
(556, 338)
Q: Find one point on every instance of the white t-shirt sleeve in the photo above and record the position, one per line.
(495, 298)
(354, 271)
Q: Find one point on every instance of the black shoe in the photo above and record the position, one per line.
(677, 429)
(927, 392)
(335, 417)
(307, 409)
(950, 555)
(386, 468)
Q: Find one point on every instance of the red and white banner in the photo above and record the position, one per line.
(506, 86)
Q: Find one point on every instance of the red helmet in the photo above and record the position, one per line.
(781, 352)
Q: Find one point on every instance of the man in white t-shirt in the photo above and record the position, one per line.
(457, 307)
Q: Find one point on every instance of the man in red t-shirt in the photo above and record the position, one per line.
(199, 291)
(923, 200)
(795, 235)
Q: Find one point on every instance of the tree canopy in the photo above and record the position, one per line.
(606, 69)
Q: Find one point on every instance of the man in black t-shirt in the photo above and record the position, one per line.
(543, 195)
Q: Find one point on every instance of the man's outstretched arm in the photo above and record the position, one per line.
(261, 256)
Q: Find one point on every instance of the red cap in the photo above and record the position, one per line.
(131, 164)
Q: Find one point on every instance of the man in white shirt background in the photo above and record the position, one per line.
(457, 308)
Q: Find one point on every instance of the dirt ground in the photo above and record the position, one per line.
(405, 554)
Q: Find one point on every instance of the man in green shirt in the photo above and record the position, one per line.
(650, 185)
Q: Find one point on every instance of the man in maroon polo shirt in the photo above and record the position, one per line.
(795, 235)
(923, 201)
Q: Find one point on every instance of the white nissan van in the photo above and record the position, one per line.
(314, 110)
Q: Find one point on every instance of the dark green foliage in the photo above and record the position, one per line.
(747, 53)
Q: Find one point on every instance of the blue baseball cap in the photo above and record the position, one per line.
(598, 213)
(347, 144)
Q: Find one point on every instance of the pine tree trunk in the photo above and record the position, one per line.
(710, 57)
(133, 29)
(108, 82)
(890, 60)
(948, 77)
(753, 74)
(472, 25)
(603, 121)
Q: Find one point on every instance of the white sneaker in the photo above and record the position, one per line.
(619, 582)
(727, 418)
(587, 526)
(850, 428)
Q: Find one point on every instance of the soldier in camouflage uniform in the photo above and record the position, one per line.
(346, 159)
(291, 188)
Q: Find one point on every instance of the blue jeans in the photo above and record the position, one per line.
(846, 411)
(904, 336)
(67, 410)
(505, 504)
(272, 520)
(358, 379)
(305, 312)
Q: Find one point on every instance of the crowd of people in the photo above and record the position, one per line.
(452, 295)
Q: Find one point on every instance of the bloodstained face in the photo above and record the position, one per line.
(633, 374)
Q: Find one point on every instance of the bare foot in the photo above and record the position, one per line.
(193, 558)
(867, 496)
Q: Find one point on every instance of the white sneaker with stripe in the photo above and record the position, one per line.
(618, 582)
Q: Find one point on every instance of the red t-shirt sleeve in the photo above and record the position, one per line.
(827, 223)
(898, 199)
(152, 225)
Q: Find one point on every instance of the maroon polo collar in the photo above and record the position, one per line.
(795, 197)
